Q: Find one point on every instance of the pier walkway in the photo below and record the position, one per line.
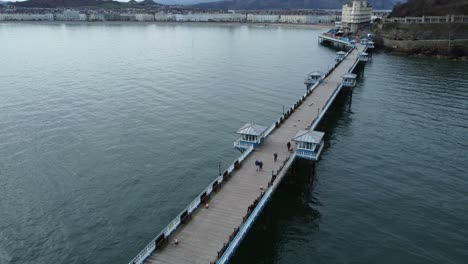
(208, 235)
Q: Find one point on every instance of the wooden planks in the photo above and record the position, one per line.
(202, 237)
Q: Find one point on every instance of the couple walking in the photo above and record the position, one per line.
(259, 165)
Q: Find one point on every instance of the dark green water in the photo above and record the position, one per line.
(392, 184)
(108, 131)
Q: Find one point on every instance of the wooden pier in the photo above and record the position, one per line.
(335, 41)
(210, 228)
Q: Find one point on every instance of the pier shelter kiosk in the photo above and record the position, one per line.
(340, 56)
(349, 80)
(352, 44)
(309, 144)
(363, 57)
(250, 135)
(313, 78)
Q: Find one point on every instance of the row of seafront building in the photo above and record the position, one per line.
(428, 19)
(73, 15)
(249, 17)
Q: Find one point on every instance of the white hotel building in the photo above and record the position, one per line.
(356, 15)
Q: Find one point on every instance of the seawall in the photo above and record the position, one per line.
(446, 39)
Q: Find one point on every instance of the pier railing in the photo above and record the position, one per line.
(291, 109)
(337, 90)
(253, 211)
(161, 238)
(317, 120)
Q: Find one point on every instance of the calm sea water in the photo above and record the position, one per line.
(108, 130)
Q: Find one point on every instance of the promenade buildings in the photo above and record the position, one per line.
(293, 17)
(26, 17)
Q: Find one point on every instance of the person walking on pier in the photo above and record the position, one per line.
(289, 146)
(275, 156)
(257, 165)
(260, 164)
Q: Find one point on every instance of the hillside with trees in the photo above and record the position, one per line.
(290, 4)
(82, 3)
(430, 8)
(431, 39)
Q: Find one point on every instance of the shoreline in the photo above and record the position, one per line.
(310, 26)
(421, 55)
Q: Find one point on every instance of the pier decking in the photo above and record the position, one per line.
(210, 230)
(337, 42)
